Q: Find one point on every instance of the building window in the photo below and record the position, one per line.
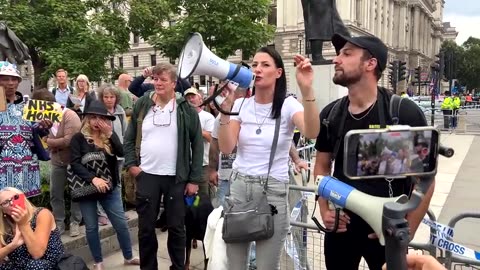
(172, 61)
(272, 16)
(135, 61)
(202, 80)
(120, 62)
(153, 59)
(112, 62)
(136, 39)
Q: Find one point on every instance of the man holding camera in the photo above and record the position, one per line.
(359, 64)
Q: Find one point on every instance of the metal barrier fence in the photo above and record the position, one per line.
(455, 261)
(465, 121)
(304, 246)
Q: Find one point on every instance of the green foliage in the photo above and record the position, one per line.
(225, 25)
(68, 34)
(466, 60)
(43, 200)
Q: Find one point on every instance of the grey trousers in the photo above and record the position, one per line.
(244, 188)
(58, 181)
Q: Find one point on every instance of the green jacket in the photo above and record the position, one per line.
(190, 140)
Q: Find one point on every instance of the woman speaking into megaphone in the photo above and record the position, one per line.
(252, 132)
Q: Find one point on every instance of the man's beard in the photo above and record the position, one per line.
(345, 79)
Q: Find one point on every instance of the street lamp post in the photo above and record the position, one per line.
(300, 39)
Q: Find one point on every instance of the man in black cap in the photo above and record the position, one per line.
(359, 64)
(422, 149)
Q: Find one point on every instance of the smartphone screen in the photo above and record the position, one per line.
(374, 154)
(19, 201)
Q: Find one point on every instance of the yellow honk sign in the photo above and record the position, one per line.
(38, 110)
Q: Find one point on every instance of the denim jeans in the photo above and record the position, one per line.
(101, 211)
(112, 204)
(244, 188)
(58, 181)
(223, 187)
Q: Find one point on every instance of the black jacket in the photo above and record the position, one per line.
(79, 147)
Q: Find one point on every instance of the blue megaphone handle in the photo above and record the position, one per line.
(334, 190)
(241, 75)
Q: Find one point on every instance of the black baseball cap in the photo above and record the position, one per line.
(372, 44)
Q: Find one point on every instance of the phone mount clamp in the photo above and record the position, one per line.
(394, 225)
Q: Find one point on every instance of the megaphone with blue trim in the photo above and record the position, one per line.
(368, 207)
(197, 59)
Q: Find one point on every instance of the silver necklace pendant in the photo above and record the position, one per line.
(259, 130)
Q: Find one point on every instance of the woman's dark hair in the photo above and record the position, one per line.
(280, 84)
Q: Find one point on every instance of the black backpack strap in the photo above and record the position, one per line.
(395, 102)
(335, 135)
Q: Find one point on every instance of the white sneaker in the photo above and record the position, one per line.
(98, 266)
(74, 230)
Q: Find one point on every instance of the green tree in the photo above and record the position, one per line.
(464, 62)
(453, 58)
(69, 34)
(470, 64)
(225, 25)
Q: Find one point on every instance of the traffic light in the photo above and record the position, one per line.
(402, 70)
(418, 75)
(393, 76)
(439, 65)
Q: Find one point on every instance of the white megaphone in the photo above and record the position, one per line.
(197, 59)
(369, 208)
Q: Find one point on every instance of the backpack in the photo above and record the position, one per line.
(71, 262)
(334, 133)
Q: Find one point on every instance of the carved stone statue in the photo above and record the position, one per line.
(12, 49)
(321, 22)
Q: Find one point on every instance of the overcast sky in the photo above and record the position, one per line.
(464, 15)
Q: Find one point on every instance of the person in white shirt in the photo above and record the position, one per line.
(62, 91)
(220, 164)
(164, 152)
(206, 121)
(252, 131)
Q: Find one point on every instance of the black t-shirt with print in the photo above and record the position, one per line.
(410, 114)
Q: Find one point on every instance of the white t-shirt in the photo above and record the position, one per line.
(253, 151)
(158, 149)
(207, 122)
(225, 161)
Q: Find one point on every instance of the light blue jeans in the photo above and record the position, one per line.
(101, 211)
(244, 188)
(223, 187)
(112, 204)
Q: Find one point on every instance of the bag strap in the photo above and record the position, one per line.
(341, 126)
(273, 149)
(395, 102)
(138, 135)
